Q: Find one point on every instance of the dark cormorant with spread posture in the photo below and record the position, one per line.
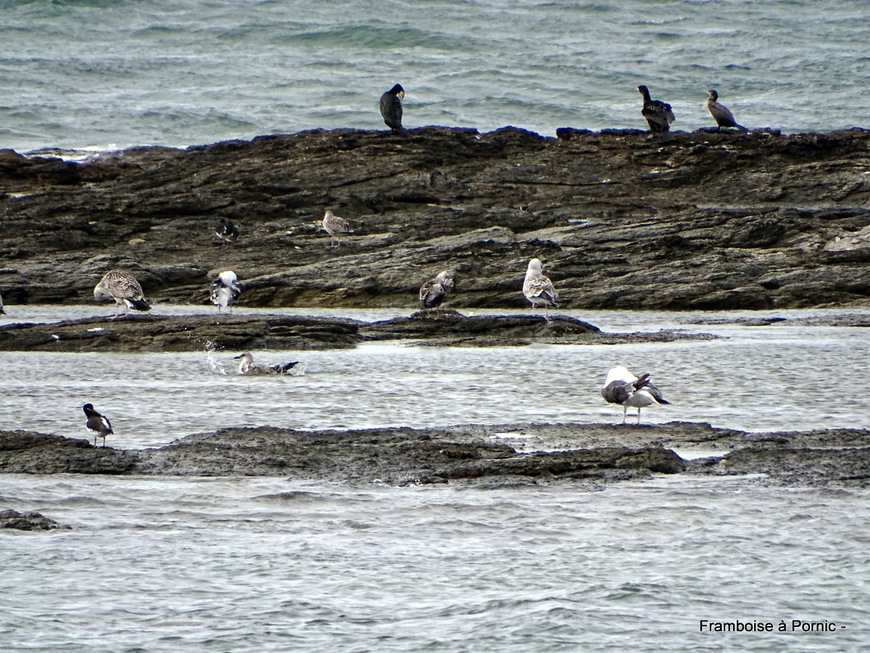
(721, 113)
(391, 109)
(658, 114)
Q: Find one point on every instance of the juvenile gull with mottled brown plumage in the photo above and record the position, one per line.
(124, 289)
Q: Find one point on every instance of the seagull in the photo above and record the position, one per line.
(121, 286)
(721, 113)
(538, 288)
(98, 423)
(227, 231)
(624, 388)
(658, 114)
(225, 290)
(247, 366)
(435, 292)
(335, 227)
(391, 109)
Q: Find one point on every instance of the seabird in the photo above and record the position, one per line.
(435, 292)
(249, 368)
(624, 388)
(225, 290)
(391, 109)
(658, 114)
(721, 113)
(336, 227)
(227, 231)
(538, 288)
(121, 286)
(98, 423)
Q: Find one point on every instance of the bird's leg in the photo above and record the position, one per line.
(638, 415)
(624, 411)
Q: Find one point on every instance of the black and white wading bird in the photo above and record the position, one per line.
(625, 389)
(538, 288)
(225, 290)
(122, 287)
(658, 114)
(435, 292)
(97, 423)
(248, 367)
(721, 114)
(227, 231)
(335, 227)
(391, 109)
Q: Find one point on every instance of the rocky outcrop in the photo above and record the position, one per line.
(211, 332)
(506, 454)
(27, 521)
(700, 220)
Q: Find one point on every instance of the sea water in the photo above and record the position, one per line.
(115, 73)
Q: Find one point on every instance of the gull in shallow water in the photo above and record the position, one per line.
(625, 389)
(537, 287)
(336, 227)
(435, 292)
(225, 290)
(248, 367)
(121, 286)
(98, 423)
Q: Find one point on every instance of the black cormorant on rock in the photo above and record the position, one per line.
(657, 113)
(391, 109)
(721, 113)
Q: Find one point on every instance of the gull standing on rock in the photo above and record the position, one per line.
(227, 231)
(225, 290)
(721, 113)
(658, 114)
(98, 423)
(435, 292)
(248, 367)
(625, 389)
(391, 109)
(537, 287)
(121, 286)
(336, 227)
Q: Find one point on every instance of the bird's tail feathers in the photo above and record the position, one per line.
(140, 305)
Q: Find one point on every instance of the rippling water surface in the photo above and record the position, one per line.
(255, 564)
(106, 73)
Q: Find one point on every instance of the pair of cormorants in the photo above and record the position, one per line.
(659, 115)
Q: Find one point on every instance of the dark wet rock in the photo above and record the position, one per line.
(27, 521)
(495, 455)
(210, 331)
(26, 452)
(700, 220)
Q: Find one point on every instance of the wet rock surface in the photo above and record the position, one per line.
(27, 521)
(700, 220)
(506, 454)
(155, 333)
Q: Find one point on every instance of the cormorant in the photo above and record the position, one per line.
(658, 114)
(391, 109)
(721, 113)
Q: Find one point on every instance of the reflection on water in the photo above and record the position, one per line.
(754, 378)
